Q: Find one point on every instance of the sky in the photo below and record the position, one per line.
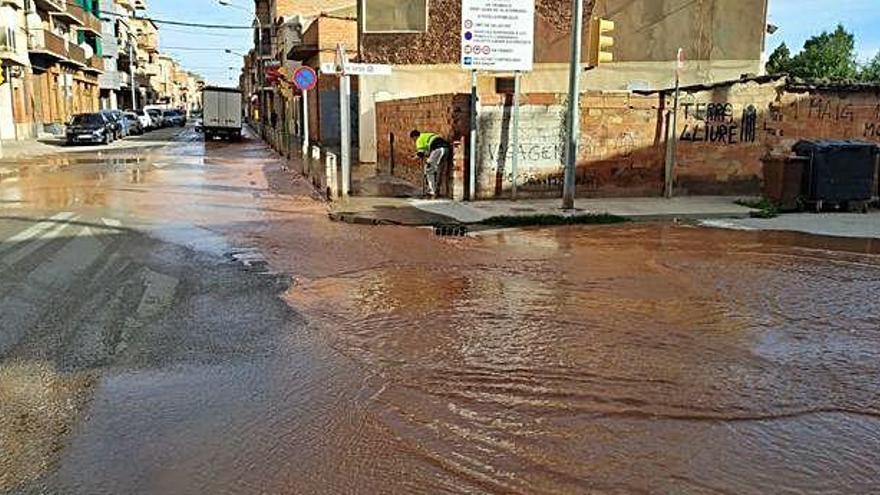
(202, 50)
(797, 21)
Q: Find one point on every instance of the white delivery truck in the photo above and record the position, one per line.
(221, 113)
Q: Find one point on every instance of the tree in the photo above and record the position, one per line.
(780, 60)
(871, 71)
(827, 56)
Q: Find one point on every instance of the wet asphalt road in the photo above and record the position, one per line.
(183, 318)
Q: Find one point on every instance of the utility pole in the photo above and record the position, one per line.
(472, 155)
(344, 118)
(672, 131)
(573, 128)
(131, 64)
(514, 162)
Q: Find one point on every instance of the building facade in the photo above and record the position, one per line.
(16, 110)
(295, 33)
(66, 55)
(722, 40)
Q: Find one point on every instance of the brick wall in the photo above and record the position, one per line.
(720, 141)
(723, 133)
(446, 115)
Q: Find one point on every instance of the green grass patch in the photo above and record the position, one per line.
(765, 207)
(540, 220)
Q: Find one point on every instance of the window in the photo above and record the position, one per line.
(395, 16)
(7, 38)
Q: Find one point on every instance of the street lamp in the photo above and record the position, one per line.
(226, 3)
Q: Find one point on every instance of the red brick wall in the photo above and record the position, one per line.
(720, 139)
(723, 134)
(446, 115)
(621, 145)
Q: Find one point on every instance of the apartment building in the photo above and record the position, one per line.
(15, 111)
(66, 56)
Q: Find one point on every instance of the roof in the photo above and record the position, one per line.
(791, 84)
(720, 84)
(795, 84)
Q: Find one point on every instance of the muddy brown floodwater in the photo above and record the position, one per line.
(636, 359)
(640, 358)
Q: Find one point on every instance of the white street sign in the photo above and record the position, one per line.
(498, 35)
(357, 69)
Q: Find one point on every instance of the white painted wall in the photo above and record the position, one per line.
(7, 123)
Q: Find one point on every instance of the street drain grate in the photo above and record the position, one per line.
(250, 259)
(450, 230)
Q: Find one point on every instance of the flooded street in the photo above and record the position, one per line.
(186, 319)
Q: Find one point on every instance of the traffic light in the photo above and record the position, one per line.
(601, 41)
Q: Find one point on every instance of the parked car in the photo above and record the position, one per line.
(90, 128)
(173, 117)
(144, 118)
(134, 124)
(118, 124)
(156, 115)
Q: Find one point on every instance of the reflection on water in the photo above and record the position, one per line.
(626, 359)
(633, 359)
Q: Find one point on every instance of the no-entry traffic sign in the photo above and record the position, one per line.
(305, 78)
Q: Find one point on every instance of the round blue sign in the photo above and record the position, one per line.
(305, 78)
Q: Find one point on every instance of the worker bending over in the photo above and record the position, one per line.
(433, 149)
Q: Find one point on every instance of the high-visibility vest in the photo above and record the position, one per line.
(423, 142)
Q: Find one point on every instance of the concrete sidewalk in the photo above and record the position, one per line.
(408, 211)
(852, 225)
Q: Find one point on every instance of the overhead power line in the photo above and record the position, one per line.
(200, 49)
(192, 24)
(162, 21)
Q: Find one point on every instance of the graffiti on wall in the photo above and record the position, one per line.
(823, 109)
(719, 123)
(872, 127)
(775, 119)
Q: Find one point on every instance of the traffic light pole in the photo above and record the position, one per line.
(573, 127)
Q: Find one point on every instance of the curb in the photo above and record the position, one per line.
(366, 219)
(355, 219)
(8, 173)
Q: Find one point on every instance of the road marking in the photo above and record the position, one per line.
(33, 230)
(28, 248)
(159, 291)
(111, 222)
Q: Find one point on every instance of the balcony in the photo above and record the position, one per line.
(110, 80)
(94, 65)
(51, 6)
(91, 23)
(71, 14)
(42, 42)
(76, 55)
